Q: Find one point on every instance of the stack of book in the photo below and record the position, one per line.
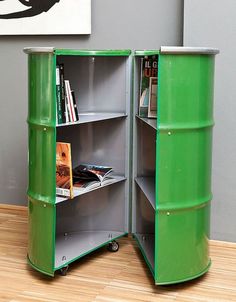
(67, 111)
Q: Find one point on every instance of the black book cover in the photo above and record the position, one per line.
(62, 84)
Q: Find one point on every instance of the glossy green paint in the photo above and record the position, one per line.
(85, 52)
(41, 236)
(42, 127)
(147, 52)
(182, 247)
(42, 161)
(183, 166)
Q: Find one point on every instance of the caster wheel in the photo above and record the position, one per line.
(113, 246)
(64, 270)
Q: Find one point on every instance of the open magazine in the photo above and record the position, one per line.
(88, 176)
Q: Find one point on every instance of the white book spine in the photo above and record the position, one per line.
(70, 101)
(66, 110)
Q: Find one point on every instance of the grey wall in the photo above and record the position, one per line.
(132, 24)
(213, 23)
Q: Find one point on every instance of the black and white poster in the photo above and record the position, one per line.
(45, 17)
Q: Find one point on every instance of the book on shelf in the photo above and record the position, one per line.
(58, 97)
(62, 92)
(152, 104)
(66, 102)
(69, 101)
(64, 182)
(89, 176)
(148, 69)
(75, 105)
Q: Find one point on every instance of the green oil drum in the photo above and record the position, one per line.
(183, 163)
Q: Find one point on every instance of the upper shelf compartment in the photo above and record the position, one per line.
(100, 81)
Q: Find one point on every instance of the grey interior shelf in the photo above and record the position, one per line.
(147, 185)
(115, 179)
(94, 117)
(147, 245)
(70, 246)
(152, 122)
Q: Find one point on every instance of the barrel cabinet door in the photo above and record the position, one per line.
(183, 165)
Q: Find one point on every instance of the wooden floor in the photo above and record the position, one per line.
(104, 276)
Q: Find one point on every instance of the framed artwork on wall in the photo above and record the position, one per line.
(45, 17)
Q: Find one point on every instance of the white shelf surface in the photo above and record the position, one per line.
(76, 244)
(147, 185)
(94, 117)
(147, 244)
(115, 179)
(152, 122)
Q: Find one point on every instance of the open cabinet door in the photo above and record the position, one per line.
(172, 165)
(66, 226)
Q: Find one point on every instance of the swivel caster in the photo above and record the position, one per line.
(113, 246)
(64, 270)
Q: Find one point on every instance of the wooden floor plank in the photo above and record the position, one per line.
(103, 276)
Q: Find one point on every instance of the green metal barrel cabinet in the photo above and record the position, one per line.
(172, 164)
(162, 164)
(62, 230)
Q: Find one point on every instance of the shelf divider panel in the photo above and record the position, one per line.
(77, 192)
(152, 122)
(147, 186)
(94, 117)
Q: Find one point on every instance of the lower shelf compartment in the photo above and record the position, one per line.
(72, 246)
(147, 246)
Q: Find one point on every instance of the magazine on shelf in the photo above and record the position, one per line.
(89, 176)
(152, 104)
(148, 69)
(64, 183)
